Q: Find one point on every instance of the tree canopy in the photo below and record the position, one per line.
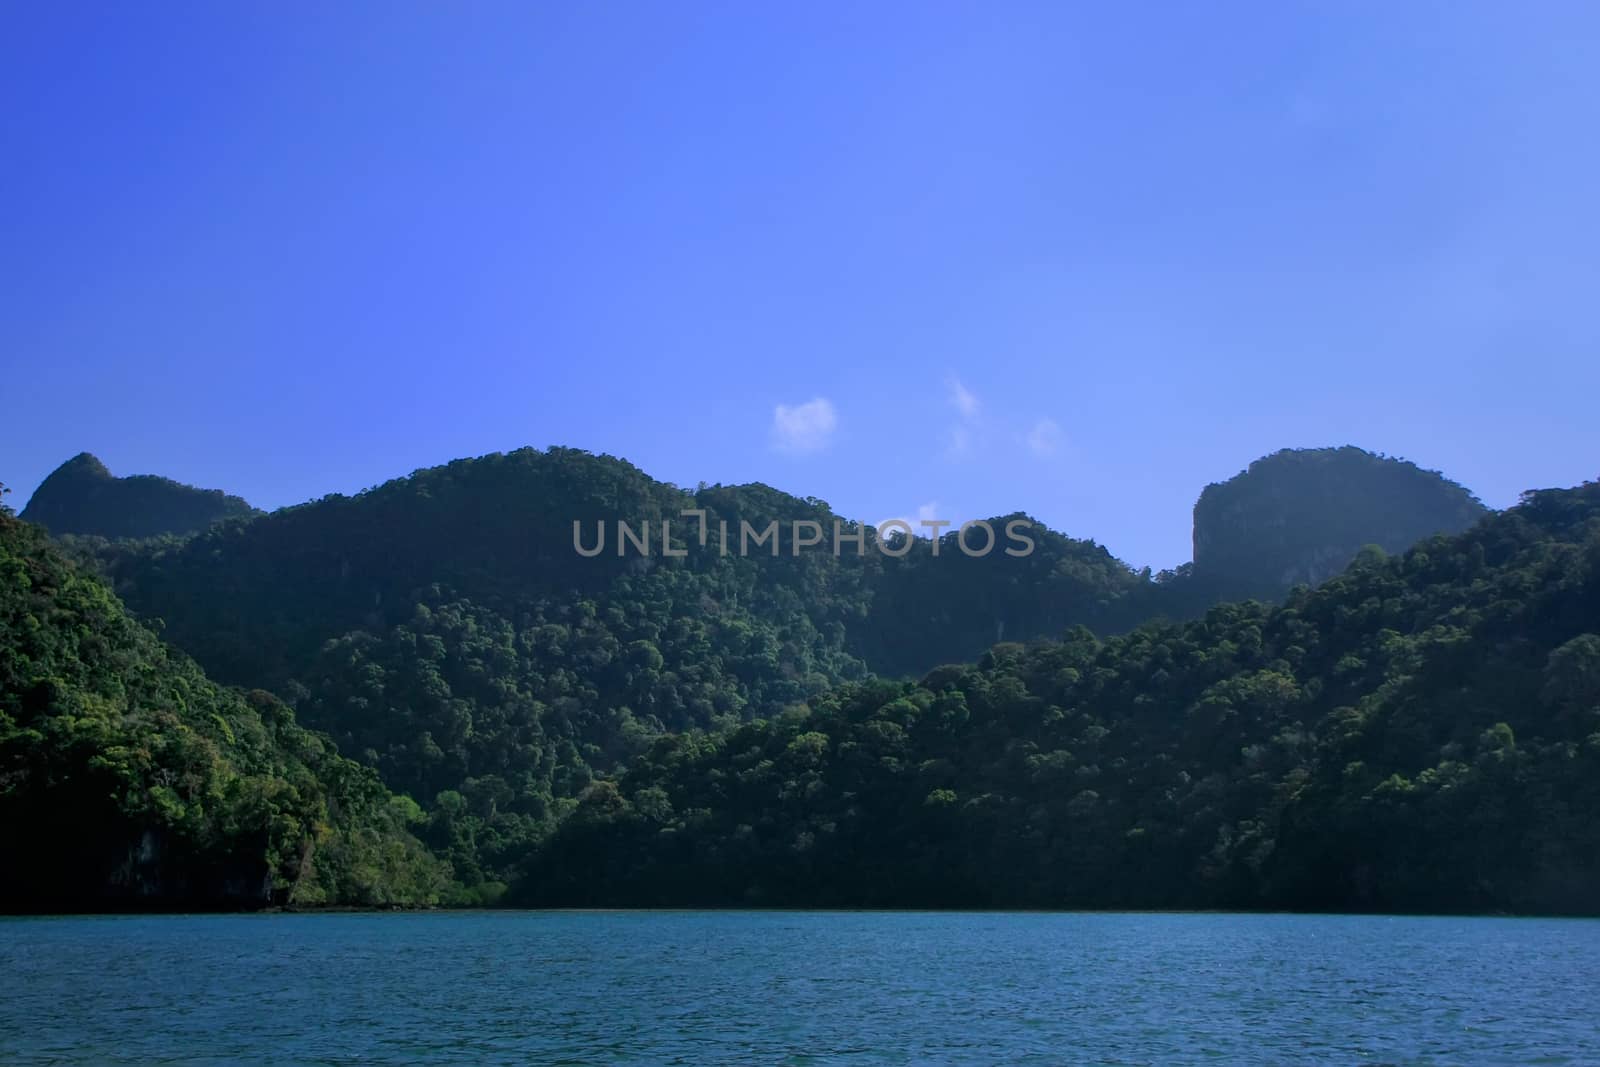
(776, 728)
(1422, 733)
(83, 497)
(128, 779)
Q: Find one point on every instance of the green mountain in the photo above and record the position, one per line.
(1300, 516)
(444, 629)
(129, 780)
(82, 497)
(704, 726)
(1421, 733)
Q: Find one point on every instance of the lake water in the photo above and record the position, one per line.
(797, 988)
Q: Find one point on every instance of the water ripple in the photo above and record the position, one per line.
(797, 988)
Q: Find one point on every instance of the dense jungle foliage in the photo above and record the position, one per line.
(443, 630)
(128, 780)
(1300, 516)
(83, 497)
(1420, 734)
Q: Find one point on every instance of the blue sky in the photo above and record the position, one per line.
(1077, 259)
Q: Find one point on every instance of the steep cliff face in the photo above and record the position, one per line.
(1301, 515)
(83, 497)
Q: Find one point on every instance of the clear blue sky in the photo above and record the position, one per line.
(1078, 259)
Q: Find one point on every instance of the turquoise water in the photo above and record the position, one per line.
(797, 988)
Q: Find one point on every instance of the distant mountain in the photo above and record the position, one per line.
(83, 497)
(1300, 516)
(128, 780)
(444, 628)
(1419, 734)
(712, 726)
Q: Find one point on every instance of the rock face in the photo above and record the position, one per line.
(1301, 516)
(82, 497)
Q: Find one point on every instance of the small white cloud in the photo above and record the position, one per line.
(958, 442)
(962, 434)
(1044, 439)
(964, 400)
(803, 428)
(928, 511)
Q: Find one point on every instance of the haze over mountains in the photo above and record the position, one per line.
(442, 629)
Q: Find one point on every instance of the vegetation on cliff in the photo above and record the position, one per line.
(443, 629)
(83, 497)
(1421, 733)
(129, 780)
(1299, 516)
(713, 728)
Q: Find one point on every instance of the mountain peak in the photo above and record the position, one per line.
(82, 496)
(1301, 515)
(83, 465)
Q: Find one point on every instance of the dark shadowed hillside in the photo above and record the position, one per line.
(1421, 733)
(1300, 516)
(445, 630)
(129, 780)
(82, 497)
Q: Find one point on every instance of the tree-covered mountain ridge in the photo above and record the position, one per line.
(1299, 516)
(1296, 516)
(445, 630)
(1421, 733)
(83, 497)
(128, 780)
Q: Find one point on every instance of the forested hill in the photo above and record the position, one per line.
(444, 629)
(498, 530)
(1421, 733)
(1300, 516)
(128, 780)
(82, 497)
